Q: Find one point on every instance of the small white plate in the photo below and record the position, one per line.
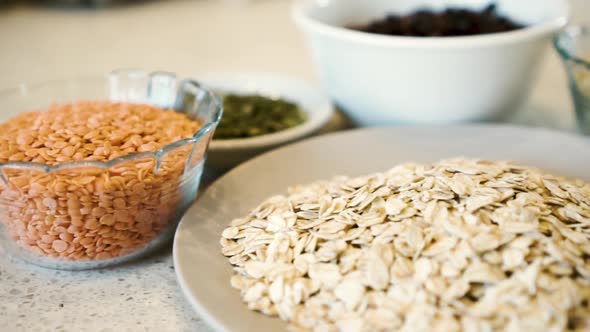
(204, 274)
(230, 152)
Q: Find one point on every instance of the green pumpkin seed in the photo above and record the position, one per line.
(254, 115)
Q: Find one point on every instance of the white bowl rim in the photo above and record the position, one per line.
(299, 13)
(316, 117)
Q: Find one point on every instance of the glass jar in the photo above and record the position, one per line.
(573, 45)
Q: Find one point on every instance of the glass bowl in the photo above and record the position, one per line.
(88, 214)
(573, 45)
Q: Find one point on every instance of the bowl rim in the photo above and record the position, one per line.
(205, 129)
(300, 14)
(316, 117)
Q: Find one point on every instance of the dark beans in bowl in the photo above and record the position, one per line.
(451, 22)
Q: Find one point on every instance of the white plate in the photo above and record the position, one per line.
(229, 152)
(203, 273)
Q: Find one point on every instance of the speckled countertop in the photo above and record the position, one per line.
(142, 296)
(42, 44)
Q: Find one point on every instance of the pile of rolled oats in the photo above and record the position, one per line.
(462, 245)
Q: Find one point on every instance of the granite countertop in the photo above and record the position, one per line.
(142, 296)
(181, 36)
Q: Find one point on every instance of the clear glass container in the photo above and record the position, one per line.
(573, 45)
(88, 214)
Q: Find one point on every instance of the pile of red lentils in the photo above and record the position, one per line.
(90, 212)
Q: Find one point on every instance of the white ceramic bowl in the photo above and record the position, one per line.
(227, 153)
(380, 79)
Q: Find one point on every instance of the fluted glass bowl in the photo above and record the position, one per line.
(89, 214)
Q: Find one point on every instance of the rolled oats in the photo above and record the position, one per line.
(461, 245)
